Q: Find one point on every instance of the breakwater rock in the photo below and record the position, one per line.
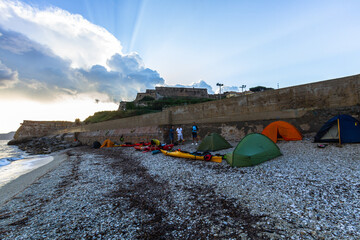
(44, 145)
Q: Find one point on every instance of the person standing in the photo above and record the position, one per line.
(171, 134)
(194, 132)
(179, 134)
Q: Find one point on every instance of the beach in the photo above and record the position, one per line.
(120, 193)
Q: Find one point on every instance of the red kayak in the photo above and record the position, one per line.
(149, 148)
(135, 144)
(143, 148)
(126, 145)
(168, 147)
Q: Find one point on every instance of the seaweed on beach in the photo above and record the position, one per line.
(149, 197)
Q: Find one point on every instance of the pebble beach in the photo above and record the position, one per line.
(120, 193)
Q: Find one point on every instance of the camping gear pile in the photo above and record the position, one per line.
(255, 148)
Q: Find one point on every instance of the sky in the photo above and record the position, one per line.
(58, 56)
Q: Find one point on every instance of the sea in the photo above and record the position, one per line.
(15, 162)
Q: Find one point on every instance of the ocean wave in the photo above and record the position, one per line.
(7, 161)
(9, 154)
(4, 162)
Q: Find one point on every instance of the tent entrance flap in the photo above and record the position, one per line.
(332, 134)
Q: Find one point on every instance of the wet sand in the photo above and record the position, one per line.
(17, 185)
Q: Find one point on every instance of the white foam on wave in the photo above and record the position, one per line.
(4, 162)
(17, 167)
(8, 154)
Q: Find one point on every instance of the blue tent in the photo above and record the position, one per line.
(341, 129)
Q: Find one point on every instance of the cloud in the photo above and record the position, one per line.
(127, 76)
(69, 36)
(203, 84)
(8, 77)
(229, 89)
(200, 84)
(42, 73)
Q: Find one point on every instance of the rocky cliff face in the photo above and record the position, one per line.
(30, 129)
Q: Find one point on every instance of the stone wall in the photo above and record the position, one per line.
(285, 103)
(160, 92)
(148, 93)
(182, 92)
(40, 128)
(307, 107)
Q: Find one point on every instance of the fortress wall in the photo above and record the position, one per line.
(182, 92)
(134, 129)
(292, 102)
(306, 106)
(40, 128)
(149, 93)
(174, 92)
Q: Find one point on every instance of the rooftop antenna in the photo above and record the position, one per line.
(220, 85)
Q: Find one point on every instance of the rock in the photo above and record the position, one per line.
(43, 145)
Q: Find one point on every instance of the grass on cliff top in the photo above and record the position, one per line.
(112, 115)
(167, 102)
(151, 106)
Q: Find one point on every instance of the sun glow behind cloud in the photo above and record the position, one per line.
(55, 64)
(66, 109)
(69, 36)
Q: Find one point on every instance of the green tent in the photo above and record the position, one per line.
(213, 142)
(253, 149)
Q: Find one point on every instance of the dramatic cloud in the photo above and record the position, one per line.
(69, 36)
(127, 76)
(65, 55)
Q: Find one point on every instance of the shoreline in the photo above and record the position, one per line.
(14, 187)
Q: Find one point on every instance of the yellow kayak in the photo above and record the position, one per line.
(180, 154)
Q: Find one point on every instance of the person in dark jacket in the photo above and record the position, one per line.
(171, 134)
(194, 133)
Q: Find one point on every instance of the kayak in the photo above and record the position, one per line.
(126, 145)
(180, 154)
(150, 148)
(167, 147)
(134, 144)
(146, 148)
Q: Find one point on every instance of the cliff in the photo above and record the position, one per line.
(29, 129)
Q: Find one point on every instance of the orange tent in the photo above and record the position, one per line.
(281, 129)
(107, 143)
